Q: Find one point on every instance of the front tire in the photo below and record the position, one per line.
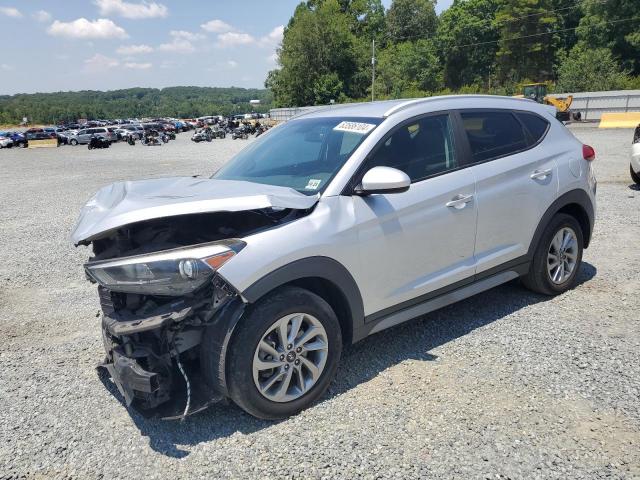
(558, 256)
(74, 142)
(634, 176)
(284, 354)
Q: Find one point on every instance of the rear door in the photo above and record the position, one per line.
(414, 243)
(516, 181)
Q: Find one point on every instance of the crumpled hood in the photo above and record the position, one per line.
(123, 203)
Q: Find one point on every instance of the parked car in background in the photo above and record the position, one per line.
(152, 126)
(181, 126)
(62, 134)
(39, 134)
(5, 142)
(635, 156)
(168, 127)
(84, 136)
(19, 139)
(113, 134)
(137, 130)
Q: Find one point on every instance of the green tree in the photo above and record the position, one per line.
(568, 13)
(326, 88)
(465, 23)
(527, 44)
(366, 17)
(409, 69)
(607, 25)
(411, 20)
(585, 70)
(50, 108)
(317, 42)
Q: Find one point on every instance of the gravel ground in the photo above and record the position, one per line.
(507, 384)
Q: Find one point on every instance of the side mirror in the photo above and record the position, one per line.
(384, 180)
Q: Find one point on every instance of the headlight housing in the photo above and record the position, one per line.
(171, 272)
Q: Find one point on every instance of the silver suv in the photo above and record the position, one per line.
(330, 227)
(84, 136)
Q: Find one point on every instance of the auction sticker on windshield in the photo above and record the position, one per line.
(313, 184)
(354, 127)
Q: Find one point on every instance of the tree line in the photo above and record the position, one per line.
(180, 102)
(491, 46)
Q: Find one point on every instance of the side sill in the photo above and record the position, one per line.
(444, 300)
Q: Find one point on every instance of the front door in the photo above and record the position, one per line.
(416, 242)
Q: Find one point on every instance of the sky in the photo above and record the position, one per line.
(110, 44)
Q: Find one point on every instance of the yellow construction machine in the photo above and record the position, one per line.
(538, 93)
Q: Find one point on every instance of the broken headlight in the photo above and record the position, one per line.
(171, 272)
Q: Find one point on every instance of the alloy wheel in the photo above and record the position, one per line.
(562, 255)
(290, 357)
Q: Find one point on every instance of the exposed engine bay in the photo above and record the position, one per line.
(153, 341)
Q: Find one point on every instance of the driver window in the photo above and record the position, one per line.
(420, 149)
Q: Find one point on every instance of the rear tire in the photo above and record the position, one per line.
(558, 256)
(634, 176)
(307, 363)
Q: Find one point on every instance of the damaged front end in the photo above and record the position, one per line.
(156, 308)
(153, 351)
(167, 312)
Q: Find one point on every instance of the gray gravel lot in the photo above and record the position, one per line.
(507, 384)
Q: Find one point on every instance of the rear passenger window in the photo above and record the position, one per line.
(420, 149)
(493, 134)
(537, 126)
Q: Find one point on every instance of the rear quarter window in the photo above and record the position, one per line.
(493, 134)
(535, 125)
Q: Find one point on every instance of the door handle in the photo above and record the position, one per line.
(541, 174)
(459, 201)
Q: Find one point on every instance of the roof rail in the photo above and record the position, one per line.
(403, 105)
(409, 103)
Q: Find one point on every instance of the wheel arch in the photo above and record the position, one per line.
(326, 278)
(575, 203)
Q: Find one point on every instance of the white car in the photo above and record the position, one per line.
(635, 157)
(6, 142)
(335, 225)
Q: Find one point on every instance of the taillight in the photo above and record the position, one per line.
(588, 153)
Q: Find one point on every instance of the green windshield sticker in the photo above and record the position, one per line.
(313, 184)
(354, 127)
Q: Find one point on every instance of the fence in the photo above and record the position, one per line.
(590, 104)
(284, 114)
(593, 104)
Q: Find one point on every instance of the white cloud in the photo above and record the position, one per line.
(85, 29)
(138, 66)
(223, 66)
(216, 26)
(100, 63)
(273, 58)
(41, 16)
(184, 35)
(6, 67)
(10, 12)
(132, 10)
(177, 46)
(274, 37)
(232, 39)
(134, 49)
(181, 41)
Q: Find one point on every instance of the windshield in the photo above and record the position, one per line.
(302, 154)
